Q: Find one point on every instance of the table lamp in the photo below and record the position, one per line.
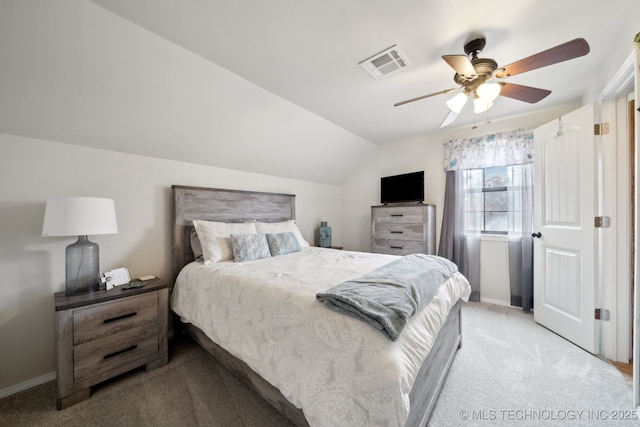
(80, 216)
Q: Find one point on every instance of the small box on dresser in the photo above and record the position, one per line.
(106, 333)
(403, 229)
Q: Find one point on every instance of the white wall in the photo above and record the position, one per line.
(32, 267)
(495, 284)
(74, 72)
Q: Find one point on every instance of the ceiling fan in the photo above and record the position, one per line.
(475, 76)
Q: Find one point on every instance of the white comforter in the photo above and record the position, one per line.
(339, 370)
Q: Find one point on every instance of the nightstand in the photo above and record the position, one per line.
(106, 333)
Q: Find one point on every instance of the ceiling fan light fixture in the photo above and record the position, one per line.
(456, 103)
(473, 72)
(480, 105)
(488, 92)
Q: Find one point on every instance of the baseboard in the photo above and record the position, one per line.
(25, 385)
(495, 301)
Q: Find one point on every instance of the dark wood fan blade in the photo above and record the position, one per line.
(569, 50)
(462, 65)
(523, 93)
(424, 96)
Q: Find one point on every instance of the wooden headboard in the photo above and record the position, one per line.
(214, 204)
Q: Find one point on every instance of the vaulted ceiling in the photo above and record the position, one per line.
(241, 84)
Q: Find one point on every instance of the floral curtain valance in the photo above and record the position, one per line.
(499, 149)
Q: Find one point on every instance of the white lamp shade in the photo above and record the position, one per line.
(488, 92)
(79, 216)
(480, 105)
(456, 103)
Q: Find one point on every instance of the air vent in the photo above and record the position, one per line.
(384, 63)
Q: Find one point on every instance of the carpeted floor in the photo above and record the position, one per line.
(191, 390)
(509, 372)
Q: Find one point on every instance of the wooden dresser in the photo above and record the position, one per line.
(403, 229)
(106, 333)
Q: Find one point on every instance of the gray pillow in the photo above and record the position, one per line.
(196, 246)
(283, 243)
(247, 247)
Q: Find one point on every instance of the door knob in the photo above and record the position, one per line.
(538, 234)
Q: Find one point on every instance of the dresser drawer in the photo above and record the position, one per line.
(398, 247)
(98, 357)
(398, 215)
(109, 318)
(389, 231)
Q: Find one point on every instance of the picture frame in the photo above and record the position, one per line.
(117, 277)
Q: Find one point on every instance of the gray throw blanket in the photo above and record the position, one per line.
(387, 297)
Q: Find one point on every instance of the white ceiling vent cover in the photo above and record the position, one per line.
(384, 63)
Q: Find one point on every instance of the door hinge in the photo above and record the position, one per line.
(602, 222)
(602, 314)
(601, 128)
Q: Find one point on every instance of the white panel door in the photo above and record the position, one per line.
(565, 267)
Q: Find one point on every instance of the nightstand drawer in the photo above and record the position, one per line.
(106, 333)
(99, 357)
(110, 318)
(399, 231)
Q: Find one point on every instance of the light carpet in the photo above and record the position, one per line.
(509, 372)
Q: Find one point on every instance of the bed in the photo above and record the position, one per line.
(328, 373)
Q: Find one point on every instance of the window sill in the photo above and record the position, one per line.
(488, 237)
(494, 237)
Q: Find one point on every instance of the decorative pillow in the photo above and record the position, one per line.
(281, 227)
(196, 247)
(215, 238)
(247, 247)
(283, 243)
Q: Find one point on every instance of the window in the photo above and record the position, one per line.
(493, 199)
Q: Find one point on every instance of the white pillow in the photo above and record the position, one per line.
(215, 238)
(281, 227)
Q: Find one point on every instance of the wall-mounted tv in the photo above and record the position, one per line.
(405, 188)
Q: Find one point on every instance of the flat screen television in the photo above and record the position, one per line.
(405, 188)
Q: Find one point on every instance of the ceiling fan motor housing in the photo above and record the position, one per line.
(474, 47)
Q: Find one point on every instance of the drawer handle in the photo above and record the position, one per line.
(397, 214)
(133, 347)
(396, 247)
(124, 316)
(396, 232)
